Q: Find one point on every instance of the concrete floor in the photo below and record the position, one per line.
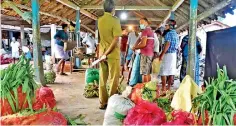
(68, 91)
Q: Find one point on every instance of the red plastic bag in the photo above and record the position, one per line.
(44, 118)
(145, 113)
(5, 106)
(136, 95)
(181, 118)
(44, 95)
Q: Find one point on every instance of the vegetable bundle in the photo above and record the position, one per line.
(50, 77)
(91, 91)
(149, 92)
(219, 99)
(14, 77)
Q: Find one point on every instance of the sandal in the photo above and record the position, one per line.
(103, 107)
(63, 74)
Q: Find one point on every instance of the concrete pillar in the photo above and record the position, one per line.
(53, 32)
(37, 48)
(22, 36)
(192, 39)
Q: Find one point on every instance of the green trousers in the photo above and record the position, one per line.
(109, 73)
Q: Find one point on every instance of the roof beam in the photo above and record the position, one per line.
(174, 7)
(54, 16)
(149, 19)
(208, 12)
(129, 7)
(75, 7)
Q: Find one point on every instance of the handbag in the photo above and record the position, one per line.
(69, 45)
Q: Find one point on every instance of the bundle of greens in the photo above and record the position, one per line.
(149, 92)
(91, 90)
(79, 120)
(219, 99)
(16, 76)
(50, 77)
(164, 103)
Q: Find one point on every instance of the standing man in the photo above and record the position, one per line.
(15, 49)
(146, 45)
(168, 55)
(132, 38)
(123, 46)
(61, 37)
(109, 30)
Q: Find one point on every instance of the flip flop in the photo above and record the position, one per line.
(103, 107)
(63, 74)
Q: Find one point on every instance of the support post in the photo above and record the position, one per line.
(53, 32)
(77, 34)
(22, 35)
(192, 39)
(37, 51)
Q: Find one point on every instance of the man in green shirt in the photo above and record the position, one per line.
(109, 30)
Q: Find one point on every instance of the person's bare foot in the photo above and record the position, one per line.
(63, 74)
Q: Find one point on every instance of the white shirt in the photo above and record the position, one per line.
(91, 43)
(156, 43)
(15, 46)
(132, 38)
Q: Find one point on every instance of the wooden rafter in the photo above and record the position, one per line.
(75, 7)
(95, 7)
(208, 12)
(174, 7)
(54, 16)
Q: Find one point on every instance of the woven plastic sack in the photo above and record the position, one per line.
(43, 118)
(91, 75)
(135, 77)
(69, 45)
(118, 107)
(44, 95)
(145, 113)
(156, 64)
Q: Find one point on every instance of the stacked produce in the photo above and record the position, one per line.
(146, 91)
(181, 118)
(17, 87)
(219, 100)
(49, 76)
(91, 83)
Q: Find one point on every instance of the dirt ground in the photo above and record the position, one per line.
(68, 91)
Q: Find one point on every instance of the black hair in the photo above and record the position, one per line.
(109, 5)
(145, 19)
(64, 25)
(158, 31)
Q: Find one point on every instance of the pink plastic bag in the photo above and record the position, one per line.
(181, 118)
(44, 95)
(145, 113)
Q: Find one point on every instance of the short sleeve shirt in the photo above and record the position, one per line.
(109, 27)
(62, 35)
(173, 38)
(149, 49)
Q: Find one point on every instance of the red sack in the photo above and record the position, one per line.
(5, 106)
(181, 118)
(145, 113)
(44, 95)
(44, 118)
(136, 95)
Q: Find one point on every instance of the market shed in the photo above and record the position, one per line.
(187, 13)
(157, 11)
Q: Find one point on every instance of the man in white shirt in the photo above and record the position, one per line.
(15, 49)
(91, 45)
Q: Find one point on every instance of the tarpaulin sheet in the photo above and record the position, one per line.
(221, 49)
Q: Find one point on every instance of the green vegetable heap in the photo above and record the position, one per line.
(149, 92)
(16, 75)
(50, 77)
(91, 90)
(219, 99)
